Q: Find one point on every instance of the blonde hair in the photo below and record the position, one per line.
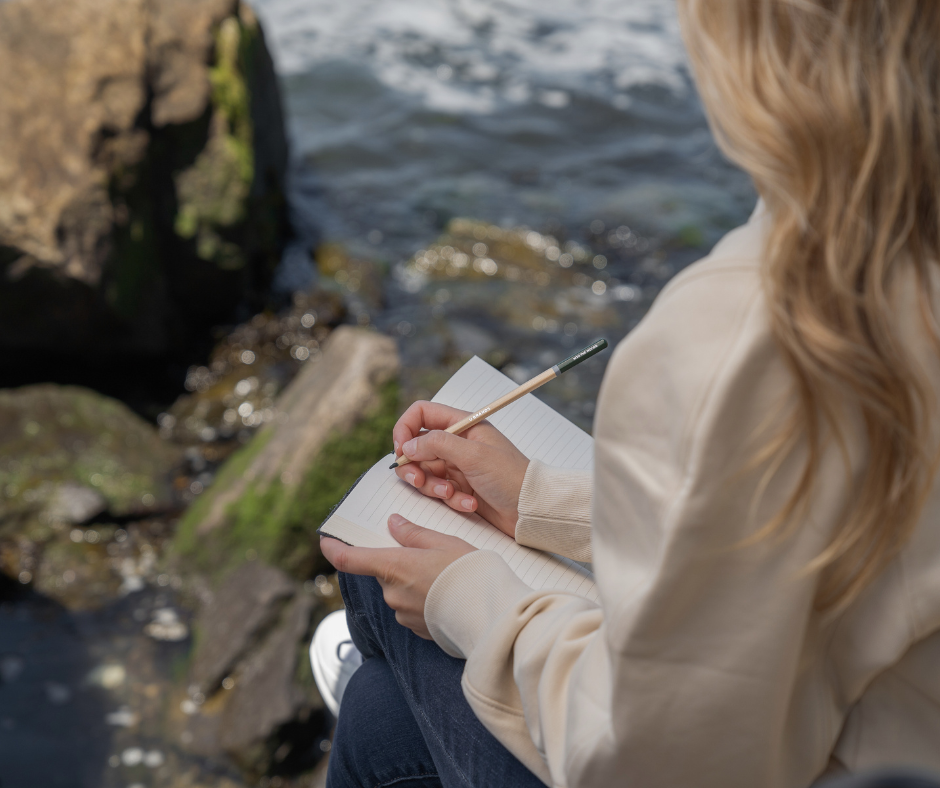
(833, 107)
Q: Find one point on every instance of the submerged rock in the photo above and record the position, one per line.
(141, 173)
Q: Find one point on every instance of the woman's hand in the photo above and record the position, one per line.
(477, 471)
(405, 573)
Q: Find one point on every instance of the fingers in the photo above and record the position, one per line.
(440, 445)
(358, 560)
(426, 482)
(451, 491)
(408, 534)
(424, 416)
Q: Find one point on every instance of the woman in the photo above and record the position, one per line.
(763, 518)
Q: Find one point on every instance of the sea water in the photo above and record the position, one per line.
(558, 115)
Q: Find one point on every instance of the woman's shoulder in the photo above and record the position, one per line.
(712, 303)
(733, 265)
(705, 345)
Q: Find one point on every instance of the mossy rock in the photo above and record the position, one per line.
(270, 497)
(161, 213)
(57, 436)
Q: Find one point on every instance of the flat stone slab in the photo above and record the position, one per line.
(265, 695)
(239, 615)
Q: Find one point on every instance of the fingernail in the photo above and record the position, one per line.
(410, 447)
(410, 478)
(396, 519)
(467, 503)
(396, 447)
(441, 490)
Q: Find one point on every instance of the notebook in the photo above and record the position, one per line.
(538, 431)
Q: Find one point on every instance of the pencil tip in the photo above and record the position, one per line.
(393, 466)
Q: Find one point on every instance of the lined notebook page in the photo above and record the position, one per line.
(538, 431)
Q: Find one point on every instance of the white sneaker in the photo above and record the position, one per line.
(334, 658)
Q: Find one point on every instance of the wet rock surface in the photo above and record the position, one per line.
(141, 175)
(523, 299)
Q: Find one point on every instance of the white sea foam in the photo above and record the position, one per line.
(473, 56)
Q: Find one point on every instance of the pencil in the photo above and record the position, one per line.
(521, 391)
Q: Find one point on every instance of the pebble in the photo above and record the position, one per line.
(154, 759)
(132, 756)
(108, 676)
(122, 718)
(166, 626)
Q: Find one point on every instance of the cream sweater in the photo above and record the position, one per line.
(704, 663)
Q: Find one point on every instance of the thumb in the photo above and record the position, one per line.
(408, 534)
(440, 445)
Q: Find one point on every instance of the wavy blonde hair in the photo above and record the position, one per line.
(833, 107)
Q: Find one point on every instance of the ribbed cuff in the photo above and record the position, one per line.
(468, 597)
(555, 511)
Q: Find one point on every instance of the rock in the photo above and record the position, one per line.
(67, 453)
(334, 421)
(142, 160)
(240, 612)
(73, 503)
(254, 632)
(265, 696)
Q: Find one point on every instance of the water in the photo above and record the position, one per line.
(403, 115)
(563, 116)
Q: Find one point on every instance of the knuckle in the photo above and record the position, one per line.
(341, 559)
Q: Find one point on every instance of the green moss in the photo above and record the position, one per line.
(213, 192)
(278, 523)
(187, 541)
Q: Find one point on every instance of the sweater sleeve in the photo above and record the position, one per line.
(693, 667)
(555, 511)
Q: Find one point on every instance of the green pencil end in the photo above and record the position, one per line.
(581, 355)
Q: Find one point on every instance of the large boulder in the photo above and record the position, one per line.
(142, 161)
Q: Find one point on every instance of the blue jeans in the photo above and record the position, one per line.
(404, 721)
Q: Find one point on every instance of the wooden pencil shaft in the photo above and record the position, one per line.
(502, 402)
(521, 391)
(507, 399)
